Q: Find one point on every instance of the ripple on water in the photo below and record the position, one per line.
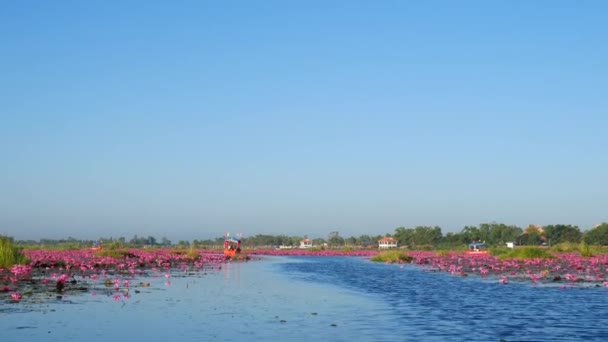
(434, 305)
(319, 298)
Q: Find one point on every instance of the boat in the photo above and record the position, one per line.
(232, 246)
(477, 248)
(96, 246)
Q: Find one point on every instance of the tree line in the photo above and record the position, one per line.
(493, 234)
(496, 234)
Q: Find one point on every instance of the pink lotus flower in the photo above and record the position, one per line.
(16, 296)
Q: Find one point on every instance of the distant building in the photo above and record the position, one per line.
(306, 243)
(387, 242)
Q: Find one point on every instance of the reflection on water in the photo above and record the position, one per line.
(316, 298)
(437, 306)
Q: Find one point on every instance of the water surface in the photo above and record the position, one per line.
(317, 298)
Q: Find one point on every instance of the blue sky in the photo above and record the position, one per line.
(188, 119)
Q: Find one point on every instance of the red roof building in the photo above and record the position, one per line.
(387, 242)
(306, 243)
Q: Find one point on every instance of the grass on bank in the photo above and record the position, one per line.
(189, 253)
(10, 254)
(392, 257)
(112, 253)
(64, 246)
(522, 253)
(584, 250)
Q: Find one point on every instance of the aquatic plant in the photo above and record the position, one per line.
(114, 245)
(392, 257)
(192, 253)
(527, 253)
(584, 250)
(498, 251)
(76, 271)
(112, 253)
(16, 296)
(442, 253)
(10, 254)
(565, 247)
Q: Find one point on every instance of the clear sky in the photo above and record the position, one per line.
(187, 119)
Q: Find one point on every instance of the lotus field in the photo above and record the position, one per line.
(58, 274)
(566, 269)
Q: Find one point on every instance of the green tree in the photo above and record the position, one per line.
(334, 239)
(452, 239)
(598, 235)
(137, 241)
(365, 240)
(470, 234)
(500, 233)
(421, 235)
(352, 241)
(530, 238)
(485, 230)
(183, 243)
(562, 233)
(425, 235)
(404, 236)
(151, 240)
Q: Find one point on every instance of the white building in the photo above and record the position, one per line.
(306, 243)
(387, 242)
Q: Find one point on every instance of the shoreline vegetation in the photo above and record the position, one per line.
(10, 254)
(58, 272)
(393, 256)
(39, 272)
(417, 238)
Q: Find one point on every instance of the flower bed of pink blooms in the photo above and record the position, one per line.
(566, 268)
(62, 272)
(77, 271)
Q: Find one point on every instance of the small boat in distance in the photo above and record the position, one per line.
(96, 246)
(232, 246)
(477, 248)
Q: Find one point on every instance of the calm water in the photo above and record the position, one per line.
(316, 298)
